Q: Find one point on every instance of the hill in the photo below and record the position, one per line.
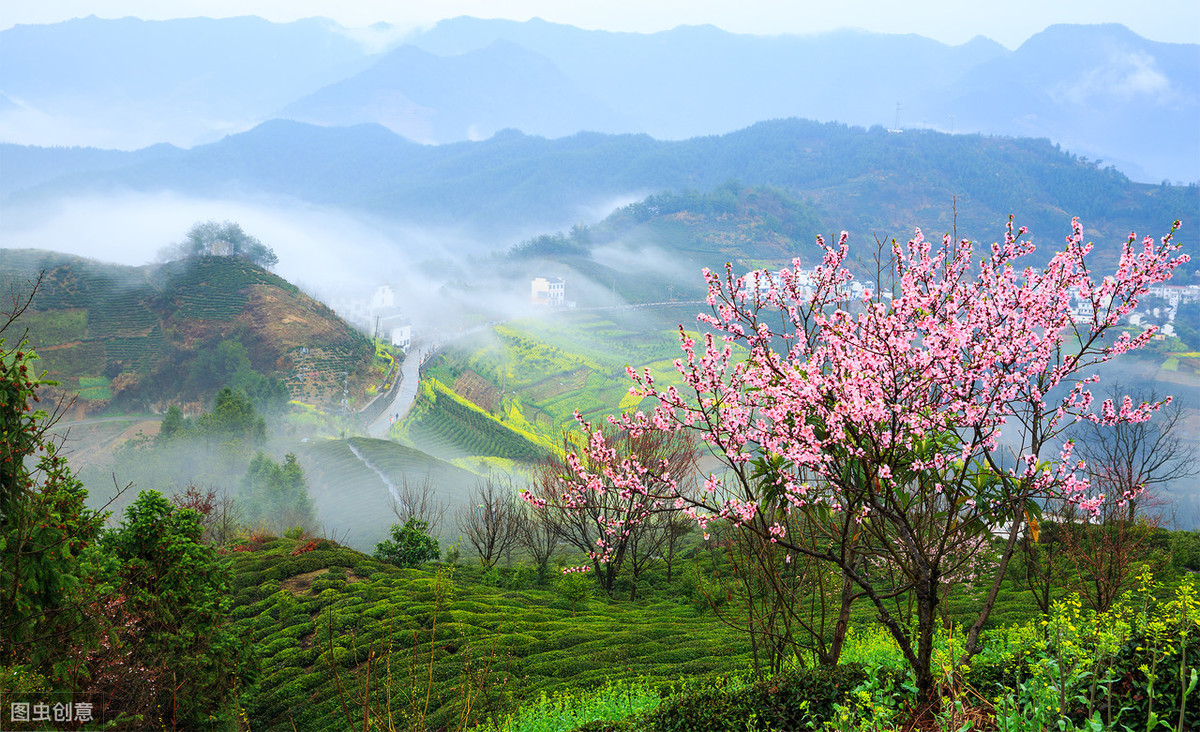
(869, 181)
(1102, 91)
(144, 337)
(431, 99)
(353, 482)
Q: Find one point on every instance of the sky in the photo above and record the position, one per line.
(950, 21)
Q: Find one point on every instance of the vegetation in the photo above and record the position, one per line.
(409, 546)
(863, 179)
(877, 570)
(444, 424)
(130, 622)
(883, 430)
(137, 337)
(275, 495)
(451, 646)
(209, 238)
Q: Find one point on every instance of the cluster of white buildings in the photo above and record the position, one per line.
(1173, 295)
(762, 281)
(377, 315)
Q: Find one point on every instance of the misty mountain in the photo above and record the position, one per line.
(436, 99)
(697, 80)
(143, 337)
(1065, 83)
(25, 166)
(131, 83)
(866, 181)
(1100, 91)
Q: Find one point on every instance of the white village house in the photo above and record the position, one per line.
(548, 291)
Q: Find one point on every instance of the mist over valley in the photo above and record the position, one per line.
(370, 301)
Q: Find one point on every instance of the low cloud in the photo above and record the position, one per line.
(1131, 75)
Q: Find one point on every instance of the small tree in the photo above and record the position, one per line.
(891, 416)
(276, 495)
(1126, 458)
(418, 499)
(1037, 565)
(490, 521)
(618, 529)
(233, 423)
(537, 535)
(574, 587)
(220, 516)
(409, 546)
(1128, 464)
(173, 657)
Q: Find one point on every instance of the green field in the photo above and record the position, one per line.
(531, 376)
(311, 624)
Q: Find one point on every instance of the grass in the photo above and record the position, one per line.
(564, 711)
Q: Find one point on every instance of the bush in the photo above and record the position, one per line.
(791, 700)
(409, 546)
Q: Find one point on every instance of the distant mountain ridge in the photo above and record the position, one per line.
(432, 100)
(866, 181)
(1101, 91)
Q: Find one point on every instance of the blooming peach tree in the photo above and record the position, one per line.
(912, 423)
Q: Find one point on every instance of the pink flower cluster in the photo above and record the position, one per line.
(919, 388)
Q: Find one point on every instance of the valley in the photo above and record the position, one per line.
(507, 375)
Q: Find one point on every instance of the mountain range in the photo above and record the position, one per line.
(869, 182)
(1100, 91)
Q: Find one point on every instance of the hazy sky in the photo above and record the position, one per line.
(951, 21)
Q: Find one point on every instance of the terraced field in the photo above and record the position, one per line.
(352, 498)
(545, 370)
(445, 424)
(143, 328)
(317, 617)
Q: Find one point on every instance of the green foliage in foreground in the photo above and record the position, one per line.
(448, 647)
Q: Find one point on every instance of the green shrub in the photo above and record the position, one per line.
(791, 700)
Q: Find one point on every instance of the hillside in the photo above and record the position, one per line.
(316, 617)
(143, 337)
(867, 181)
(511, 391)
(353, 482)
(445, 646)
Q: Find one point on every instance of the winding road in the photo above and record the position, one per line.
(403, 397)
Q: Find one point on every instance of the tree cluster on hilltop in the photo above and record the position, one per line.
(227, 239)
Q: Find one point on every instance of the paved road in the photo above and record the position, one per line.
(403, 397)
(406, 394)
